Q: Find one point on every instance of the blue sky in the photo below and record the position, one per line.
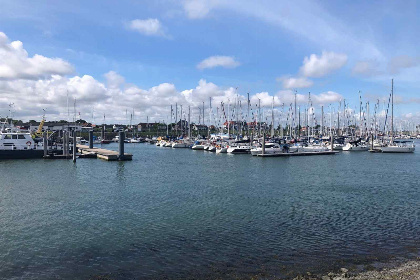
(157, 52)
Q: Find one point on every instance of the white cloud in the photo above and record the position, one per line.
(295, 82)
(401, 62)
(265, 99)
(149, 27)
(218, 61)
(325, 98)
(319, 66)
(114, 80)
(196, 9)
(15, 62)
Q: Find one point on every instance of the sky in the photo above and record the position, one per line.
(144, 56)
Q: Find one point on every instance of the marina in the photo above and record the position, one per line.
(215, 215)
(209, 140)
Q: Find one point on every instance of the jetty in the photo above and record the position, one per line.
(298, 154)
(104, 154)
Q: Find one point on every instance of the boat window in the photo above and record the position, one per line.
(14, 136)
(7, 136)
(21, 136)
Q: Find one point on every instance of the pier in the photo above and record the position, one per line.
(299, 154)
(104, 154)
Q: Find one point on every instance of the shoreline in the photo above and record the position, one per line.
(401, 270)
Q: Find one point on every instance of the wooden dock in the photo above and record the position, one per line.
(299, 154)
(102, 153)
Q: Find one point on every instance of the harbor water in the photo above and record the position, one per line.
(179, 213)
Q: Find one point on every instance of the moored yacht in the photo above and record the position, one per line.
(399, 147)
(270, 148)
(239, 147)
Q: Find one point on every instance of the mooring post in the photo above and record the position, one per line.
(91, 139)
(263, 144)
(45, 143)
(67, 144)
(74, 146)
(121, 146)
(371, 142)
(64, 143)
(332, 142)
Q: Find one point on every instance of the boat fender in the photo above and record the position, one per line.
(29, 143)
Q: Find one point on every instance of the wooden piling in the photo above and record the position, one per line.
(121, 146)
(45, 143)
(74, 146)
(90, 139)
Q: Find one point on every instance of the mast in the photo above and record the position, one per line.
(176, 119)
(322, 120)
(182, 127)
(294, 125)
(228, 117)
(259, 116)
(247, 116)
(360, 114)
(299, 123)
(189, 122)
(272, 118)
(210, 116)
(392, 111)
(338, 119)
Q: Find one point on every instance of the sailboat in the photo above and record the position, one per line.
(395, 146)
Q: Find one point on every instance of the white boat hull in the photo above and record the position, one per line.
(397, 149)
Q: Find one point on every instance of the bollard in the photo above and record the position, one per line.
(332, 142)
(67, 144)
(90, 139)
(371, 142)
(74, 146)
(263, 144)
(64, 143)
(45, 143)
(121, 146)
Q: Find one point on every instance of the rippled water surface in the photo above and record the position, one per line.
(178, 213)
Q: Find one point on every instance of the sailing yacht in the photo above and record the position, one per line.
(396, 146)
(399, 146)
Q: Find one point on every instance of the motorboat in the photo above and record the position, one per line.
(270, 148)
(181, 144)
(356, 145)
(239, 147)
(16, 144)
(198, 145)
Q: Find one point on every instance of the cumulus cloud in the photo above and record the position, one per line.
(114, 80)
(15, 62)
(396, 64)
(149, 27)
(319, 66)
(295, 82)
(218, 61)
(325, 98)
